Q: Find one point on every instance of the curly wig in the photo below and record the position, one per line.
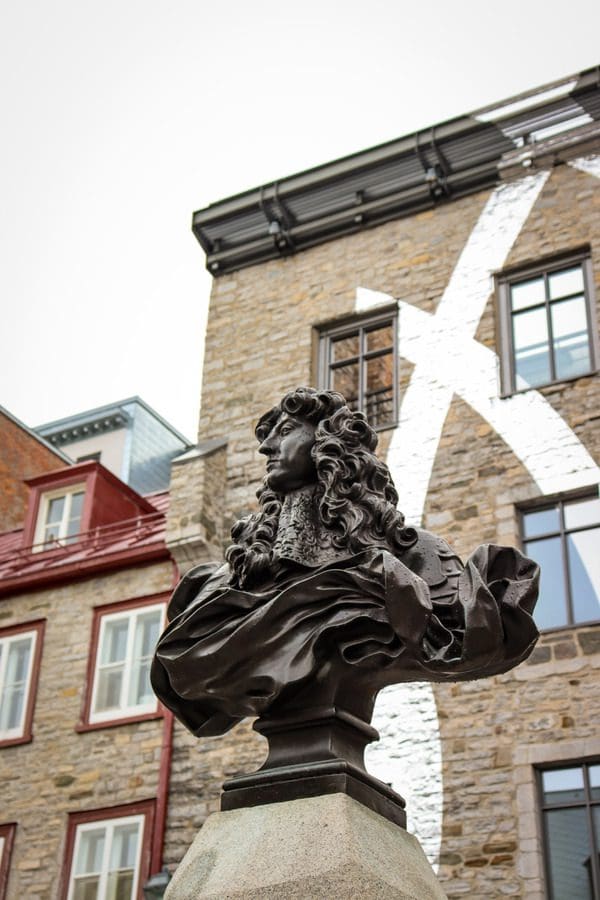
(355, 493)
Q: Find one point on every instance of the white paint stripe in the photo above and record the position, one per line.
(414, 443)
(588, 164)
(535, 432)
(509, 109)
(408, 757)
(448, 360)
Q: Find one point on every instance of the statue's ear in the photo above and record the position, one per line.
(189, 586)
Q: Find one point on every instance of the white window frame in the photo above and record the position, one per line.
(124, 710)
(9, 734)
(109, 825)
(45, 500)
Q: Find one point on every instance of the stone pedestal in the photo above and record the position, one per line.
(328, 847)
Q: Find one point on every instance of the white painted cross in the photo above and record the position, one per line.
(448, 360)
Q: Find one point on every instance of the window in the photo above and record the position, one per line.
(563, 538)
(20, 655)
(7, 834)
(59, 518)
(360, 361)
(123, 640)
(90, 457)
(108, 853)
(570, 801)
(547, 324)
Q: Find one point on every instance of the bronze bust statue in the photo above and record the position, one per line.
(326, 597)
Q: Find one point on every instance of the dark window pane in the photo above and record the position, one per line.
(596, 818)
(532, 358)
(570, 334)
(361, 368)
(551, 608)
(345, 380)
(566, 282)
(579, 513)
(584, 572)
(379, 393)
(594, 773)
(527, 293)
(379, 338)
(563, 785)
(569, 851)
(541, 521)
(344, 348)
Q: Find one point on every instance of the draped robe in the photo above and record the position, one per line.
(354, 621)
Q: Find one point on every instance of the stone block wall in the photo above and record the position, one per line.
(262, 331)
(195, 523)
(61, 771)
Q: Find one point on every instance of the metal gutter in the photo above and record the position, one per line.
(392, 180)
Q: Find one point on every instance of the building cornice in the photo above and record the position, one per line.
(396, 179)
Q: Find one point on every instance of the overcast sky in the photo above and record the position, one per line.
(121, 117)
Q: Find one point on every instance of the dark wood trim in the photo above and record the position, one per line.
(98, 614)
(587, 803)
(360, 323)
(558, 501)
(147, 808)
(504, 340)
(8, 833)
(38, 626)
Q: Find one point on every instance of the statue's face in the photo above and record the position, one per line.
(288, 448)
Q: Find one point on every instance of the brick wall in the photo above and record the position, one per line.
(21, 456)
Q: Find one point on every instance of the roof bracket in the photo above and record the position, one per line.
(435, 174)
(279, 220)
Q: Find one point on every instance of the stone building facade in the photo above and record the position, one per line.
(493, 435)
(418, 277)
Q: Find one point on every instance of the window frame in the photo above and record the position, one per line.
(90, 721)
(7, 836)
(587, 803)
(506, 279)
(67, 491)
(144, 809)
(36, 628)
(544, 503)
(362, 323)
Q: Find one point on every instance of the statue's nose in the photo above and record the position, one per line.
(267, 446)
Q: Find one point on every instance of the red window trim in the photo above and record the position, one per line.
(8, 833)
(67, 480)
(147, 808)
(39, 626)
(99, 612)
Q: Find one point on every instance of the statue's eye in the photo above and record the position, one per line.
(285, 429)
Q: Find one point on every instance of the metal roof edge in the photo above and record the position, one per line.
(115, 408)
(317, 205)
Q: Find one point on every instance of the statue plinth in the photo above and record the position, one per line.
(313, 752)
(326, 597)
(320, 847)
